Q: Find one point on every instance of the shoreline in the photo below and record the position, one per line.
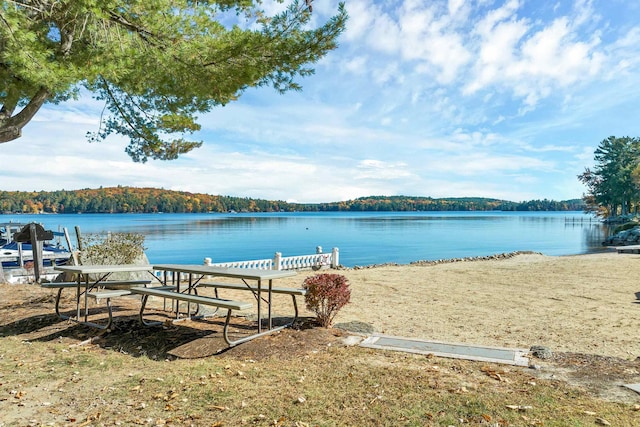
(493, 257)
(504, 255)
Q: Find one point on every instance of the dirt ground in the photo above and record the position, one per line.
(584, 309)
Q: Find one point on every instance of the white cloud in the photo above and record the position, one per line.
(357, 65)
(384, 35)
(386, 74)
(381, 170)
(455, 6)
(531, 60)
(361, 15)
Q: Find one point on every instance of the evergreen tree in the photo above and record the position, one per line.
(611, 187)
(156, 64)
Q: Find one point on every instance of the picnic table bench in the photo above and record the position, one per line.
(229, 305)
(102, 290)
(254, 289)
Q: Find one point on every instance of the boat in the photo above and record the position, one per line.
(16, 254)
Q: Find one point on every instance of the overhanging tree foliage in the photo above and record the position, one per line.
(612, 188)
(155, 63)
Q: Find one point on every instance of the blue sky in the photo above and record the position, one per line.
(506, 99)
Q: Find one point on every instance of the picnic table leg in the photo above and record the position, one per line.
(79, 279)
(107, 326)
(58, 297)
(86, 299)
(259, 308)
(225, 332)
(295, 307)
(270, 295)
(143, 301)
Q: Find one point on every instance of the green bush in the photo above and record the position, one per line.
(111, 248)
(326, 295)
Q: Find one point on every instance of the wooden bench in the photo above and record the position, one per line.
(254, 289)
(103, 290)
(229, 305)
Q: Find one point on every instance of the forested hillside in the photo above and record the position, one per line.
(151, 200)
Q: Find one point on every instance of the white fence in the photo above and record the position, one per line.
(278, 262)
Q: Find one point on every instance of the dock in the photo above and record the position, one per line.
(630, 249)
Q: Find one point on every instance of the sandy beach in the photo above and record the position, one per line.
(584, 303)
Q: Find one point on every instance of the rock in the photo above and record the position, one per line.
(352, 340)
(356, 327)
(541, 352)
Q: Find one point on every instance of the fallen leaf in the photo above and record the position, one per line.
(492, 373)
(519, 407)
(171, 396)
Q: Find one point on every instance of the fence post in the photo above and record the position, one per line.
(277, 260)
(36, 252)
(79, 238)
(335, 258)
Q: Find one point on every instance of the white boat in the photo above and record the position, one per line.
(16, 254)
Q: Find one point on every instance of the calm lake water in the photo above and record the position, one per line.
(363, 238)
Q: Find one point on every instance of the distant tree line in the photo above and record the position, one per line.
(151, 200)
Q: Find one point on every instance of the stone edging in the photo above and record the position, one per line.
(448, 261)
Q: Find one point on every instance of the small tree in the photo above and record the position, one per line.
(326, 295)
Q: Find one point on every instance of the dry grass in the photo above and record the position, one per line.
(131, 376)
(54, 383)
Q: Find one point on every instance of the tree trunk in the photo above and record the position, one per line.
(11, 128)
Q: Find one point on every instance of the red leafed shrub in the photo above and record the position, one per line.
(326, 295)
